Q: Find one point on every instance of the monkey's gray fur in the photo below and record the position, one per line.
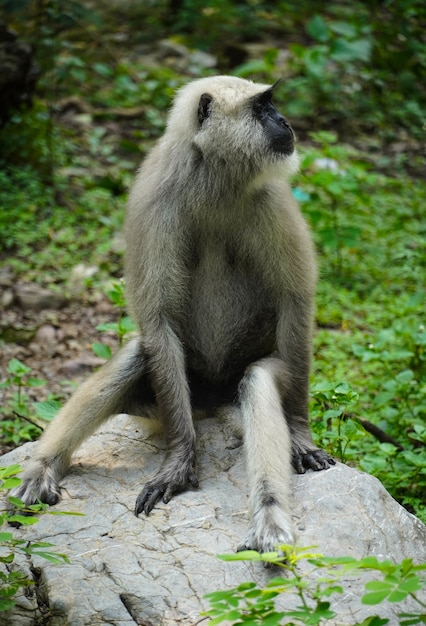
(221, 277)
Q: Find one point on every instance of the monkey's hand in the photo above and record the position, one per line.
(310, 458)
(175, 476)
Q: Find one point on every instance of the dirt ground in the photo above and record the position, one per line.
(56, 345)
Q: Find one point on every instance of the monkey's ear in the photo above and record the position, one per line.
(204, 107)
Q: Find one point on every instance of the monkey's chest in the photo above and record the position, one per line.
(230, 319)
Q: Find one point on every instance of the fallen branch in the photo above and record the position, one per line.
(74, 102)
(379, 433)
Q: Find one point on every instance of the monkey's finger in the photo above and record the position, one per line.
(298, 464)
(152, 500)
(315, 461)
(319, 460)
(312, 463)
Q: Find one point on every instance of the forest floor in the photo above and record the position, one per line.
(59, 348)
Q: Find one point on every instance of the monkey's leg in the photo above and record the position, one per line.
(170, 384)
(268, 455)
(102, 395)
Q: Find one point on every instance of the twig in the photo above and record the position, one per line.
(379, 434)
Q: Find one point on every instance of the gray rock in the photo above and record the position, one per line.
(78, 277)
(155, 570)
(32, 296)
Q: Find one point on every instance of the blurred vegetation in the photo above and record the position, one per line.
(355, 91)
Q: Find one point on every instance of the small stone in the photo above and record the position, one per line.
(6, 276)
(78, 277)
(81, 364)
(7, 298)
(32, 296)
(46, 334)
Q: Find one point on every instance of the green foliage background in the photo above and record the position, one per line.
(354, 89)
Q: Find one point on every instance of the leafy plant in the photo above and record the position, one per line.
(20, 414)
(13, 579)
(18, 424)
(123, 327)
(399, 402)
(354, 73)
(337, 196)
(253, 605)
(330, 66)
(332, 423)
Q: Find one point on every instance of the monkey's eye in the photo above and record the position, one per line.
(257, 108)
(204, 107)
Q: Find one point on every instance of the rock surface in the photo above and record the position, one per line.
(155, 571)
(32, 296)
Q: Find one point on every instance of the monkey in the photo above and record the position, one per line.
(221, 275)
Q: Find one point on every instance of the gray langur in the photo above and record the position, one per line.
(221, 277)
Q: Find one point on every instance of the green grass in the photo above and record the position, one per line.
(63, 196)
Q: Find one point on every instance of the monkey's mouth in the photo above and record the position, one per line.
(280, 134)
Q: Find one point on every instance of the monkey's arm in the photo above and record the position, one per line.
(157, 290)
(294, 346)
(170, 385)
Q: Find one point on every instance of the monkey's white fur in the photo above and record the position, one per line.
(221, 278)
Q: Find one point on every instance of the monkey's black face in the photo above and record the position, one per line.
(276, 127)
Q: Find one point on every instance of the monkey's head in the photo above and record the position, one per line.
(234, 121)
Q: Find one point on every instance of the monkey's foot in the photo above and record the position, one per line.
(271, 528)
(40, 483)
(170, 480)
(315, 459)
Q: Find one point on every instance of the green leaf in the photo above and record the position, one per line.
(12, 482)
(375, 597)
(9, 558)
(52, 557)
(6, 537)
(410, 619)
(107, 326)
(127, 325)
(48, 409)
(243, 555)
(16, 502)
(344, 28)
(350, 236)
(373, 621)
(24, 520)
(101, 350)
(9, 470)
(345, 51)
(103, 70)
(53, 512)
(16, 367)
(318, 29)
(405, 377)
(35, 382)
(332, 413)
(6, 605)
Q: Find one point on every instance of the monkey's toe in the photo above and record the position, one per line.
(164, 488)
(148, 498)
(315, 459)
